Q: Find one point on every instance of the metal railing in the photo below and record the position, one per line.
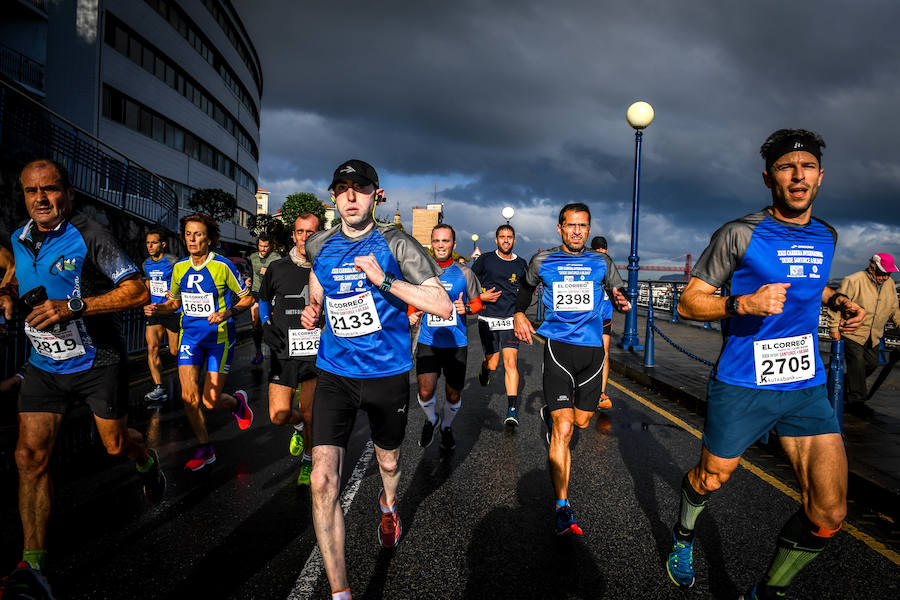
(19, 67)
(29, 130)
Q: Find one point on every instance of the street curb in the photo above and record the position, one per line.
(878, 496)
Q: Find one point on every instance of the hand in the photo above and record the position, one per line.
(414, 318)
(460, 305)
(10, 383)
(48, 313)
(219, 317)
(309, 318)
(7, 305)
(369, 266)
(852, 316)
(835, 335)
(523, 327)
(766, 301)
(273, 337)
(490, 295)
(622, 302)
(151, 309)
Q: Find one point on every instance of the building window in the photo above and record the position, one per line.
(120, 108)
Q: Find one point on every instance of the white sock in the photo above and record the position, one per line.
(299, 426)
(428, 407)
(449, 413)
(342, 595)
(307, 457)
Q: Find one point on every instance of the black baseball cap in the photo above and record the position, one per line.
(357, 171)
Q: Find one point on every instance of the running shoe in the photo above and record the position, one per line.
(484, 377)
(512, 417)
(296, 445)
(547, 418)
(258, 358)
(157, 395)
(305, 472)
(750, 595)
(448, 442)
(565, 522)
(429, 430)
(680, 564)
(605, 403)
(25, 582)
(203, 456)
(242, 412)
(389, 529)
(153, 480)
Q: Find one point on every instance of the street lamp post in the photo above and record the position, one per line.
(507, 213)
(639, 116)
(474, 242)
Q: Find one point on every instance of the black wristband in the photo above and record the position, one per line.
(386, 284)
(831, 303)
(731, 305)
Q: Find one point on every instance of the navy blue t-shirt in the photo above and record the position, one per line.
(505, 275)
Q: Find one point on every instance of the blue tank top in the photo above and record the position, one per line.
(444, 333)
(159, 274)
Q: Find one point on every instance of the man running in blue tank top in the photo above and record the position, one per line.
(365, 275)
(774, 265)
(575, 297)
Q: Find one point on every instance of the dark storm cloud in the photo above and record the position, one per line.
(525, 102)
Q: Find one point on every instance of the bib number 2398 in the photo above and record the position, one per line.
(784, 360)
(573, 295)
(353, 316)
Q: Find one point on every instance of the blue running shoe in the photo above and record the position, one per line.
(512, 416)
(750, 595)
(565, 522)
(681, 563)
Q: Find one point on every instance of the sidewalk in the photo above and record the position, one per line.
(873, 445)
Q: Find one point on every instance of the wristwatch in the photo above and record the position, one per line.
(386, 284)
(76, 305)
(731, 305)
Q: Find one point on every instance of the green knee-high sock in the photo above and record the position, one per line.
(799, 542)
(692, 504)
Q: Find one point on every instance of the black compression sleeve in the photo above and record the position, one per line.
(523, 300)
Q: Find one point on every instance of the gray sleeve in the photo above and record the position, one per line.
(725, 251)
(473, 286)
(416, 265)
(612, 280)
(533, 271)
(315, 242)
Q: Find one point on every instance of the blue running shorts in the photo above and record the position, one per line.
(215, 355)
(738, 416)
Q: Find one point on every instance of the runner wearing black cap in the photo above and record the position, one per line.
(366, 275)
(774, 265)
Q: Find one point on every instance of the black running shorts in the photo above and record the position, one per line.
(291, 372)
(337, 398)
(450, 361)
(170, 322)
(572, 375)
(494, 341)
(103, 389)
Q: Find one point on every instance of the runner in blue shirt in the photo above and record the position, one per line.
(73, 279)
(158, 270)
(365, 275)
(443, 343)
(577, 284)
(774, 265)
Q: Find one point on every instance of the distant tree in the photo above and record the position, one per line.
(218, 204)
(275, 228)
(299, 203)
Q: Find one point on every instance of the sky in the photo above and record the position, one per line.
(520, 103)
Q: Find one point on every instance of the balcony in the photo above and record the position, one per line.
(22, 69)
(29, 130)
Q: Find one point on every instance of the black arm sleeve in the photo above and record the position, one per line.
(526, 291)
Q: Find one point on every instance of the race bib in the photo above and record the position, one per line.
(303, 342)
(784, 360)
(496, 324)
(573, 295)
(197, 304)
(353, 316)
(436, 321)
(57, 345)
(158, 287)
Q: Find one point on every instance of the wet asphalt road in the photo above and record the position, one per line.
(478, 523)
